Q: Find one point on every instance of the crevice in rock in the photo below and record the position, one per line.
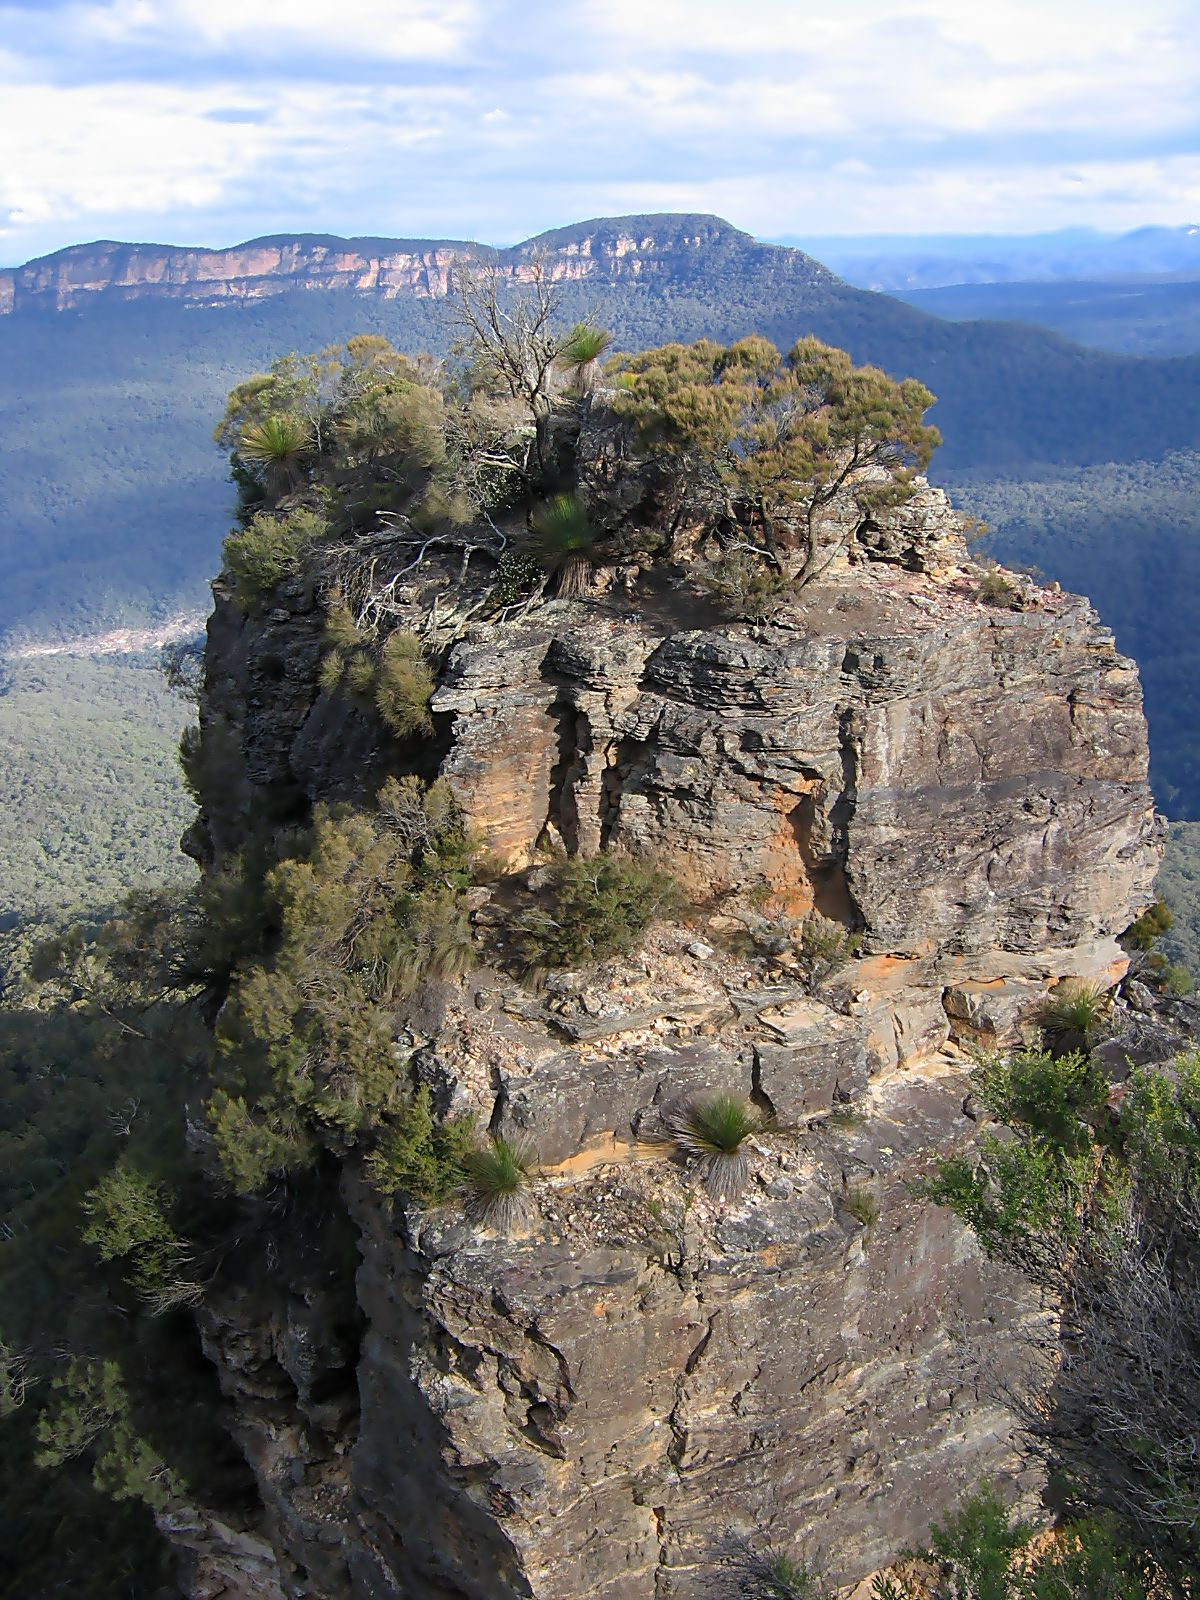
(832, 896)
(622, 760)
(574, 743)
(758, 1095)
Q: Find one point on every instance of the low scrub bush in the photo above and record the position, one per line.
(995, 589)
(600, 906)
(861, 1203)
(404, 686)
(396, 678)
(416, 1156)
(751, 590)
(268, 550)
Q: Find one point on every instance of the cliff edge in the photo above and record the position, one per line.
(588, 1403)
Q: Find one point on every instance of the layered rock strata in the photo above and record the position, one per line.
(609, 251)
(589, 1407)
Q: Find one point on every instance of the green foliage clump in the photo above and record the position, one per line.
(1150, 927)
(396, 677)
(373, 907)
(404, 686)
(415, 1155)
(713, 1131)
(983, 1552)
(1023, 1196)
(496, 1182)
(91, 1412)
(1100, 1205)
(129, 1222)
(518, 573)
(268, 549)
(600, 906)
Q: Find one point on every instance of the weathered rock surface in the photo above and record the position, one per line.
(584, 1409)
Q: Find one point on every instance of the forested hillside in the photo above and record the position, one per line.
(1127, 534)
(92, 801)
(112, 495)
(1137, 319)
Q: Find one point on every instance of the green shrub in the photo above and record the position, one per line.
(89, 1414)
(600, 907)
(268, 550)
(826, 944)
(984, 1552)
(404, 686)
(712, 1131)
(129, 1222)
(371, 908)
(518, 573)
(396, 678)
(862, 1205)
(1150, 927)
(1071, 1016)
(255, 1146)
(995, 589)
(418, 1157)
(496, 1183)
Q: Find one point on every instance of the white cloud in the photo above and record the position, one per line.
(499, 117)
(416, 30)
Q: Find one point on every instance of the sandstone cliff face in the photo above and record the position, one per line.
(586, 1408)
(615, 249)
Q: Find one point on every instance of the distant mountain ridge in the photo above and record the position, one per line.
(606, 250)
(898, 262)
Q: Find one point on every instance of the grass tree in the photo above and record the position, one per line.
(564, 542)
(713, 1132)
(496, 1186)
(276, 450)
(585, 346)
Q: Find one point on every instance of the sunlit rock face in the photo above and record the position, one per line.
(587, 1407)
(610, 250)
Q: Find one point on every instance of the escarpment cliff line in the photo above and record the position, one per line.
(582, 1409)
(608, 250)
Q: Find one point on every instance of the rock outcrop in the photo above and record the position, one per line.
(587, 1408)
(606, 251)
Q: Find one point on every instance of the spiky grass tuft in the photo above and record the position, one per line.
(1072, 1017)
(497, 1183)
(712, 1132)
(564, 542)
(277, 448)
(582, 352)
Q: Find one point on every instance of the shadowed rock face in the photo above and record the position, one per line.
(584, 1409)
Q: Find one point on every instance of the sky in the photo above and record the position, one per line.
(212, 121)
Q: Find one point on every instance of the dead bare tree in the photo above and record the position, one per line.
(510, 334)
